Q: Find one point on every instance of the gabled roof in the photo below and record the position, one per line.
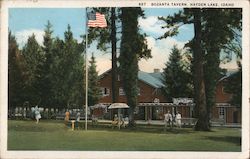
(228, 74)
(152, 79)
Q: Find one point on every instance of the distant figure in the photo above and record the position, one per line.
(178, 120)
(37, 114)
(66, 119)
(78, 116)
(115, 121)
(173, 119)
(168, 119)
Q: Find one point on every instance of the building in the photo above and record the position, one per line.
(152, 104)
(223, 110)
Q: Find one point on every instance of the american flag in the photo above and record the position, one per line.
(96, 20)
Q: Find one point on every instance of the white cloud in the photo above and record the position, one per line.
(151, 25)
(23, 35)
(103, 63)
(230, 65)
(160, 50)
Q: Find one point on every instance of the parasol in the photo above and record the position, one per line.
(118, 106)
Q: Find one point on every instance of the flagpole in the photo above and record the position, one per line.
(86, 74)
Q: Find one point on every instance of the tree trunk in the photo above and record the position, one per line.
(132, 106)
(199, 83)
(211, 71)
(114, 59)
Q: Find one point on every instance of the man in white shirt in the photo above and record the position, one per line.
(168, 120)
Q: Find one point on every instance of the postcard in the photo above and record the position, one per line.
(124, 79)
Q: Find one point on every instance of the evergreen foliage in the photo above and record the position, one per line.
(46, 76)
(15, 74)
(33, 61)
(176, 78)
(214, 29)
(94, 91)
(133, 47)
(51, 75)
(106, 38)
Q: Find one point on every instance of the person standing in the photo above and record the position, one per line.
(78, 117)
(115, 121)
(66, 119)
(37, 114)
(178, 120)
(168, 120)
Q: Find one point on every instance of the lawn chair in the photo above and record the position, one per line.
(124, 122)
(94, 121)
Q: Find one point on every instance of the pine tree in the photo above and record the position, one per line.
(57, 71)
(108, 37)
(213, 45)
(176, 78)
(33, 62)
(46, 84)
(94, 91)
(15, 74)
(72, 64)
(133, 47)
(206, 28)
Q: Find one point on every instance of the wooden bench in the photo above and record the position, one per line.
(188, 121)
(220, 122)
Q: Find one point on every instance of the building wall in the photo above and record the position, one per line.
(232, 114)
(221, 95)
(147, 92)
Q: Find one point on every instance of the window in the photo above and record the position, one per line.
(105, 91)
(121, 92)
(139, 91)
(221, 111)
(118, 77)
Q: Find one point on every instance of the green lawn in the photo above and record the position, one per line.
(53, 135)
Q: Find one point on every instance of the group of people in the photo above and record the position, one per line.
(67, 117)
(170, 119)
(119, 121)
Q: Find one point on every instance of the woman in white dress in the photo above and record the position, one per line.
(178, 120)
(37, 114)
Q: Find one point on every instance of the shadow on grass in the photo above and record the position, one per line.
(144, 129)
(230, 139)
(31, 126)
(51, 126)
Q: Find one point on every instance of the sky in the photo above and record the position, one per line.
(25, 21)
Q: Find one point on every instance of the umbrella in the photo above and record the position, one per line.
(118, 106)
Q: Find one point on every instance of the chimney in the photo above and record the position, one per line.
(156, 70)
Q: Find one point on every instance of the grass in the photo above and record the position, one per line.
(54, 135)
